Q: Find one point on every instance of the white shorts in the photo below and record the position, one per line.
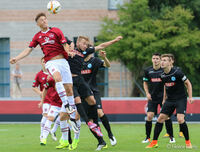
(62, 66)
(54, 111)
(45, 108)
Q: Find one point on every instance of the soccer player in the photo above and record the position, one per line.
(39, 81)
(174, 81)
(90, 69)
(56, 51)
(154, 92)
(80, 87)
(180, 132)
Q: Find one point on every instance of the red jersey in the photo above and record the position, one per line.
(50, 42)
(40, 81)
(52, 93)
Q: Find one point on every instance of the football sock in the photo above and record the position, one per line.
(64, 126)
(47, 129)
(148, 126)
(157, 130)
(106, 124)
(185, 131)
(42, 123)
(169, 127)
(82, 112)
(61, 92)
(92, 112)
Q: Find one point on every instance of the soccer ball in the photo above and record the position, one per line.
(53, 6)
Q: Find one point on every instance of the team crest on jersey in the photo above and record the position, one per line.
(51, 35)
(173, 78)
(43, 78)
(89, 65)
(40, 37)
(84, 52)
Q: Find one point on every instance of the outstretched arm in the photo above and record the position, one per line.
(106, 44)
(22, 55)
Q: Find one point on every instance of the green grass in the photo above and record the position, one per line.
(25, 138)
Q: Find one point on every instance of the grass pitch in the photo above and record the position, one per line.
(25, 138)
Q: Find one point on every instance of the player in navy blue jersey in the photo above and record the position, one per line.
(90, 69)
(154, 90)
(175, 98)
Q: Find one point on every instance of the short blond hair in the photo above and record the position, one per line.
(83, 37)
(167, 55)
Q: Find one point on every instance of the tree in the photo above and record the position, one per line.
(146, 32)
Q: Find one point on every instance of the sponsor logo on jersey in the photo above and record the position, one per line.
(170, 84)
(47, 41)
(51, 35)
(156, 80)
(86, 71)
(89, 65)
(78, 53)
(173, 78)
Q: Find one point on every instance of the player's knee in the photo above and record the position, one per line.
(100, 113)
(162, 118)
(180, 120)
(90, 100)
(150, 116)
(64, 116)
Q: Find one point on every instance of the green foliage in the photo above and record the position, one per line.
(170, 30)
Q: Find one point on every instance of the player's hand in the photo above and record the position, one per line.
(149, 97)
(118, 38)
(102, 53)
(40, 105)
(13, 60)
(71, 54)
(191, 100)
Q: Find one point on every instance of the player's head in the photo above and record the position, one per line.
(82, 43)
(41, 20)
(172, 59)
(156, 58)
(165, 61)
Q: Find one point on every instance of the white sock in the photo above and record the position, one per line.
(64, 129)
(76, 135)
(71, 100)
(42, 123)
(47, 129)
(56, 124)
(61, 92)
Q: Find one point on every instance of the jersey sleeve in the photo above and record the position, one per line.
(35, 82)
(61, 36)
(89, 50)
(34, 42)
(181, 75)
(146, 76)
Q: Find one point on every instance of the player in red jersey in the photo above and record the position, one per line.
(56, 51)
(39, 81)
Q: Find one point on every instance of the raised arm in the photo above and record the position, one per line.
(106, 44)
(22, 55)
